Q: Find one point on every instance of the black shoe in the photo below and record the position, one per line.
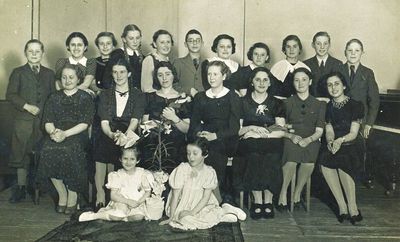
(61, 209)
(356, 218)
(18, 194)
(98, 206)
(268, 214)
(71, 210)
(256, 215)
(282, 207)
(343, 217)
(297, 206)
(229, 199)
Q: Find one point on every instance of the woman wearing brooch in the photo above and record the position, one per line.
(306, 115)
(261, 145)
(342, 154)
(167, 107)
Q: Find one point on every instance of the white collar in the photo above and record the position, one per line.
(233, 65)
(31, 66)
(130, 51)
(82, 61)
(222, 93)
(322, 59)
(355, 66)
(252, 66)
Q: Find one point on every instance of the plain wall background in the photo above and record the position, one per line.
(374, 22)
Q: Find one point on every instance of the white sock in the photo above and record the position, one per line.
(234, 210)
(87, 216)
(229, 218)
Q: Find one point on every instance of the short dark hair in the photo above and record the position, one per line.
(321, 33)
(121, 62)
(133, 148)
(161, 32)
(202, 143)
(304, 70)
(106, 34)
(192, 31)
(254, 72)
(34, 41)
(354, 41)
(167, 65)
(220, 37)
(78, 71)
(130, 27)
(76, 35)
(287, 39)
(337, 74)
(257, 45)
(224, 68)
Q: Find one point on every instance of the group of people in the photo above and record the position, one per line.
(208, 111)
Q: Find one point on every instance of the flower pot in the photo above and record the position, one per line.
(154, 208)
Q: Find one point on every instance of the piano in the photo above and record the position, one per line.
(383, 146)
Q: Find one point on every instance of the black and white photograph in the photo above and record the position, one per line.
(199, 120)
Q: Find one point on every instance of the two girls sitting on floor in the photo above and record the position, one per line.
(191, 203)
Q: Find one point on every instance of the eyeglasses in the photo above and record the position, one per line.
(194, 41)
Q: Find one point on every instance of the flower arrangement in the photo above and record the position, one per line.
(160, 156)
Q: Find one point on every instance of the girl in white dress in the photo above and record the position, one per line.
(191, 203)
(130, 187)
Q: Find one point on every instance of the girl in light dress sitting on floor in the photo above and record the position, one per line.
(130, 187)
(191, 203)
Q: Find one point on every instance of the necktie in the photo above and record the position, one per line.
(322, 65)
(35, 69)
(196, 63)
(352, 74)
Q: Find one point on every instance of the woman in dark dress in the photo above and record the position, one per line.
(67, 115)
(162, 43)
(342, 154)
(131, 52)
(283, 70)
(77, 44)
(307, 116)
(172, 109)
(224, 46)
(263, 119)
(105, 42)
(258, 54)
(215, 116)
(120, 109)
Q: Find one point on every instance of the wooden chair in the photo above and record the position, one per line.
(308, 193)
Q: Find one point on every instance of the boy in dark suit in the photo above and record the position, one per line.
(321, 64)
(363, 88)
(188, 67)
(27, 91)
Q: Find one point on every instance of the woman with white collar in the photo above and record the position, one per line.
(77, 44)
(215, 116)
(224, 46)
(162, 43)
(131, 52)
(283, 70)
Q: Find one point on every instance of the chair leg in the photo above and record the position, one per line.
(241, 197)
(90, 195)
(292, 187)
(308, 194)
(249, 200)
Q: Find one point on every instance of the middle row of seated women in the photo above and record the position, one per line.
(218, 115)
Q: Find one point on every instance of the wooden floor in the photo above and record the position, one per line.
(28, 222)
